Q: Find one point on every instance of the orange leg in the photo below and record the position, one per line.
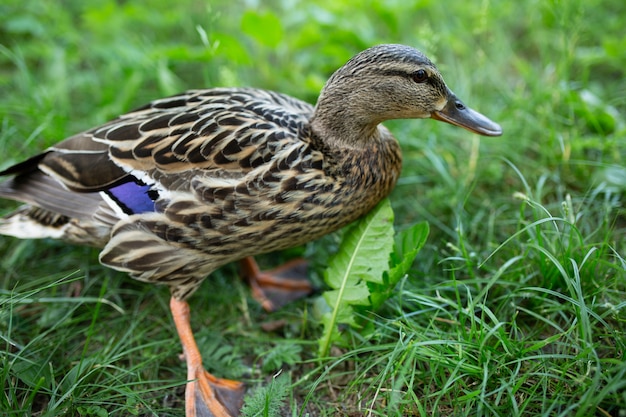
(205, 395)
(273, 289)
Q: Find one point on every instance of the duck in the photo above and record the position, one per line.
(186, 184)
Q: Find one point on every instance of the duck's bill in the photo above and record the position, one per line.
(456, 113)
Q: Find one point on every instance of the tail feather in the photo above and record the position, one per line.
(29, 222)
(40, 190)
(53, 211)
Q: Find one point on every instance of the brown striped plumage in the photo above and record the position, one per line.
(228, 173)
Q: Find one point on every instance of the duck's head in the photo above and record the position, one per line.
(391, 82)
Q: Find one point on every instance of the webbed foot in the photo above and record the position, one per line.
(275, 288)
(205, 395)
(208, 396)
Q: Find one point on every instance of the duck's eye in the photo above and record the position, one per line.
(420, 76)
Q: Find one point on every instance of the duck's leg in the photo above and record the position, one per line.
(277, 287)
(205, 395)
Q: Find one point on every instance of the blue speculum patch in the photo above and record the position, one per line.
(133, 197)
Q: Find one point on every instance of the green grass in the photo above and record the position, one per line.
(516, 305)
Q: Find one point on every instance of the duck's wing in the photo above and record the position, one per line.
(228, 131)
(218, 133)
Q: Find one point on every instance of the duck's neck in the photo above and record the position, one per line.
(340, 121)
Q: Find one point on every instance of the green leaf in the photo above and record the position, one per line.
(92, 411)
(268, 400)
(283, 353)
(364, 252)
(363, 256)
(366, 268)
(408, 244)
(354, 294)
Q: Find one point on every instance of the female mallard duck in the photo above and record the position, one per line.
(183, 185)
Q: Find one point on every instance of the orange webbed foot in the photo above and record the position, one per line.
(208, 396)
(205, 394)
(275, 288)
